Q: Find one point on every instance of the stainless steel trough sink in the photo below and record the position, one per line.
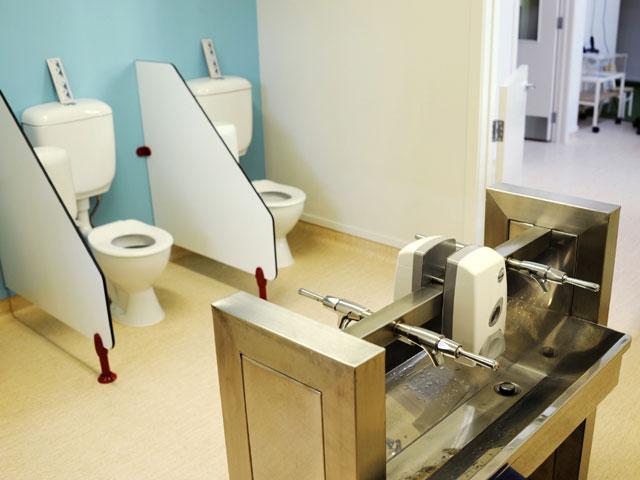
(358, 404)
(457, 422)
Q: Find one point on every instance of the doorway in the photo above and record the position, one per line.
(539, 42)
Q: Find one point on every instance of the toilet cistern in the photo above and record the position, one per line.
(85, 130)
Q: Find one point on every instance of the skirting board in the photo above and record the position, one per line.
(317, 230)
(178, 252)
(16, 300)
(355, 231)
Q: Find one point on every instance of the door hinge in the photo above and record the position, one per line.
(497, 131)
(554, 117)
(560, 23)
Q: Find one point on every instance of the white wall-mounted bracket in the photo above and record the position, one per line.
(211, 58)
(60, 81)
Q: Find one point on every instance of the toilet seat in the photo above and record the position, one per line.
(277, 195)
(129, 238)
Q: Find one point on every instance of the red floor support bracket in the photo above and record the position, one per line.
(106, 375)
(262, 283)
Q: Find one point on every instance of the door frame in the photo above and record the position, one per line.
(550, 117)
(503, 62)
(569, 70)
(561, 69)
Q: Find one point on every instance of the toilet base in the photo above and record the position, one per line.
(283, 253)
(142, 309)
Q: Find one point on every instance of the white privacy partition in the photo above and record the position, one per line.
(200, 194)
(44, 257)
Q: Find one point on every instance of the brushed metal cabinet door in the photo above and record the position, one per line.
(280, 412)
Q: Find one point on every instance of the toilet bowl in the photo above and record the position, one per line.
(286, 204)
(132, 255)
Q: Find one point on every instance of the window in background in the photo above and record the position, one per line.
(529, 13)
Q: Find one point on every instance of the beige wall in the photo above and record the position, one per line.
(376, 109)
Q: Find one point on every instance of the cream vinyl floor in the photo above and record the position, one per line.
(161, 419)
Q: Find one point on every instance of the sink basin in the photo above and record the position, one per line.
(456, 422)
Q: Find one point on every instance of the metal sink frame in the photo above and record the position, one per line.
(372, 408)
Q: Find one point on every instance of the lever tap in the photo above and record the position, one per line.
(349, 311)
(439, 346)
(436, 345)
(544, 273)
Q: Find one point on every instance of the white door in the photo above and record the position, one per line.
(512, 112)
(538, 48)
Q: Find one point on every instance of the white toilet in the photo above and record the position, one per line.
(227, 102)
(286, 204)
(133, 255)
(76, 145)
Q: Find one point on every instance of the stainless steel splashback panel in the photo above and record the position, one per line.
(593, 224)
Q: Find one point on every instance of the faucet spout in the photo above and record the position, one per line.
(544, 273)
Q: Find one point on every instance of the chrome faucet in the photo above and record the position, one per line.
(543, 274)
(349, 311)
(437, 346)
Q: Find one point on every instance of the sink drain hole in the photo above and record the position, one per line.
(549, 352)
(507, 389)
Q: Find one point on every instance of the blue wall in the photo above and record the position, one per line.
(98, 41)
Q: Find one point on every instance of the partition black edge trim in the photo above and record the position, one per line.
(64, 209)
(273, 226)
